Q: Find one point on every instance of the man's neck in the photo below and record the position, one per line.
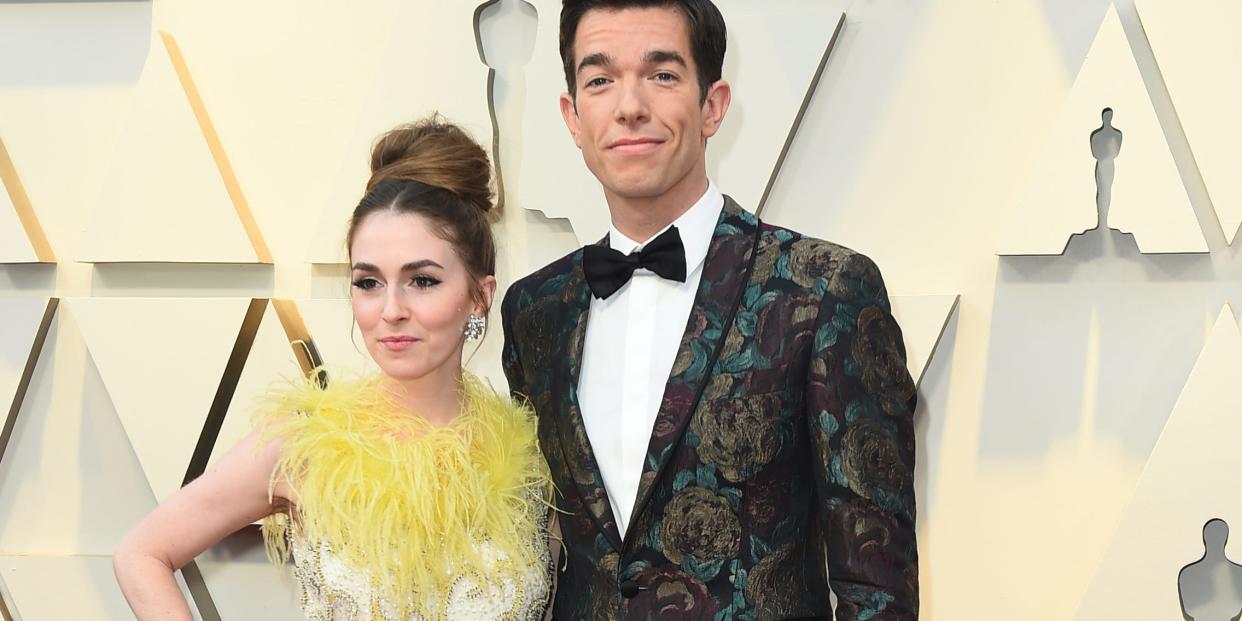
(641, 218)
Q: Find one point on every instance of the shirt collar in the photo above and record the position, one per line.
(695, 227)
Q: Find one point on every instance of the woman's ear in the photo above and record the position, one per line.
(487, 289)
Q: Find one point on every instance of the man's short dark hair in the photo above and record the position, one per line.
(705, 24)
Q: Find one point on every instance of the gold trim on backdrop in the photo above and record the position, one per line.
(292, 322)
(300, 340)
(957, 301)
(197, 586)
(224, 391)
(217, 149)
(23, 385)
(25, 210)
(4, 606)
(10, 421)
(211, 432)
(797, 123)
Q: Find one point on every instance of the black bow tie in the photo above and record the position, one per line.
(608, 270)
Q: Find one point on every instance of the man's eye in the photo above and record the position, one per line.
(424, 282)
(665, 76)
(597, 82)
(366, 284)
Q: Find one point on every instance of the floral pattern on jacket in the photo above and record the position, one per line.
(785, 435)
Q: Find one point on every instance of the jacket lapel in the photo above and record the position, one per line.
(725, 274)
(573, 315)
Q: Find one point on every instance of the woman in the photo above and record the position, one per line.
(415, 494)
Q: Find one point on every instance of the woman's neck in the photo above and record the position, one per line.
(435, 396)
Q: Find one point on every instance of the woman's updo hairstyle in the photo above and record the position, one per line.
(434, 169)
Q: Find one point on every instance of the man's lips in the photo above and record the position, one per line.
(634, 146)
(397, 343)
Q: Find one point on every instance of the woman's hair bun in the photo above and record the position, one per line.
(436, 153)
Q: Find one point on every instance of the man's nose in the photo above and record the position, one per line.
(631, 102)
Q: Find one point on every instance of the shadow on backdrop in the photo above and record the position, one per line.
(1098, 340)
(77, 43)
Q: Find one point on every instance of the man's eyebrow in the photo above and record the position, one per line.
(597, 59)
(655, 57)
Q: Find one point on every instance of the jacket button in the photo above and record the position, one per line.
(629, 589)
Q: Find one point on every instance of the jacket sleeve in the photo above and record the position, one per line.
(860, 410)
(509, 358)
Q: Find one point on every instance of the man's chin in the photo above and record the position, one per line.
(637, 189)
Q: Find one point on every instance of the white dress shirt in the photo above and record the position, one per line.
(631, 342)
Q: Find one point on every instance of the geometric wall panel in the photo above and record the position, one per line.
(1148, 197)
(1197, 47)
(23, 319)
(296, 114)
(923, 319)
(768, 103)
(161, 361)
(1190, 478)
(6, 603)
(69, 481)
(67, 72)
(68, 587)
(770, 89)
(165, 199)
(27, 325)
(15, 377)
(270, 360)
(450, 78)
(21, 237)
(15, 247)
(244, 584)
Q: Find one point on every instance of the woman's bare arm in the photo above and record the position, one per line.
(232, 494)
(554, 550)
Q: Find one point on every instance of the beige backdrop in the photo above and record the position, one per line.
(169, 167)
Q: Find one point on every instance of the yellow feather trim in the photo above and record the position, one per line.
(402, 498)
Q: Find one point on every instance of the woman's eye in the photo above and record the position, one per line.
(366, 284)
(424, 282)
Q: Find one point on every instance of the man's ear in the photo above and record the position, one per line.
(715, 105)
(569, 112)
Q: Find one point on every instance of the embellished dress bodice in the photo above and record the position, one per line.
(333, 590)
(396, 519)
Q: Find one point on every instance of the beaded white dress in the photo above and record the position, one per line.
(331, 590)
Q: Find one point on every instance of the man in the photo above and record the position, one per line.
(724, 404)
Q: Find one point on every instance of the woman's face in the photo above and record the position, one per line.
(411, 294)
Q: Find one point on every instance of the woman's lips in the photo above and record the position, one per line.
(398, 343)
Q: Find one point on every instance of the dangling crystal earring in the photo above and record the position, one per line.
(474, 327)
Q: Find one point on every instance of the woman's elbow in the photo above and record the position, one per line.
(131, 554)
(124, 558)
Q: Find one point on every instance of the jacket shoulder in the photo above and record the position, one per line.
(802, 258)
(547, 280)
